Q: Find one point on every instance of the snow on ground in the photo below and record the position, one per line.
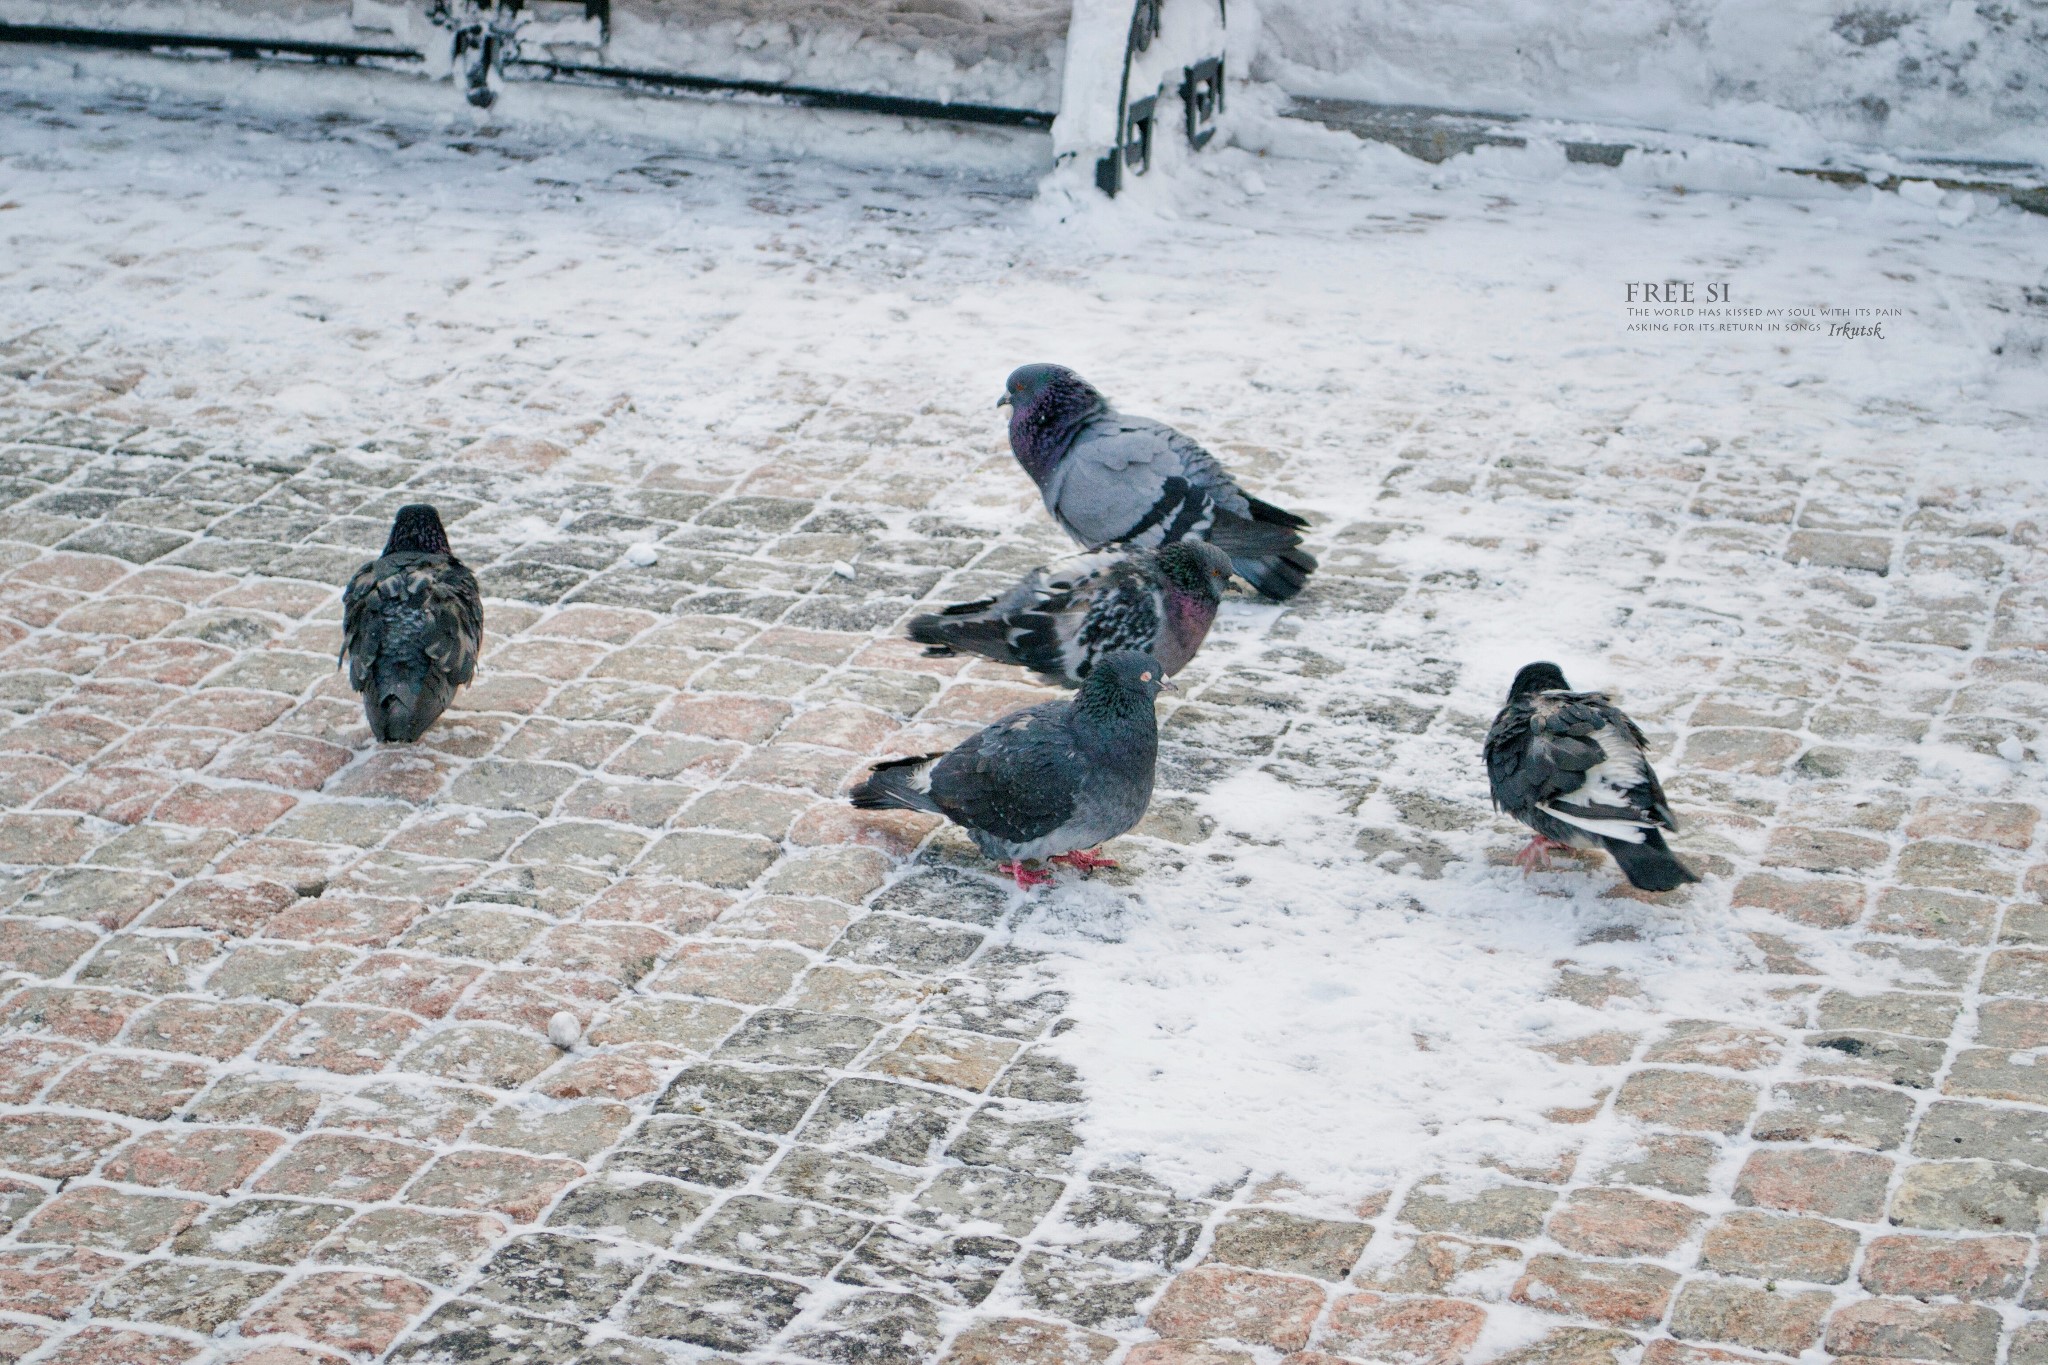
(1441, 351)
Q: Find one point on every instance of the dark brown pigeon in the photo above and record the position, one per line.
(412, 623)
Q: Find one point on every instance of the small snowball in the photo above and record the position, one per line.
(1925, 193)
(642, 554)
(843, 569)
(2011, 750)
(564, 1030)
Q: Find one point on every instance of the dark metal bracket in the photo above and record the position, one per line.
(1201, 90)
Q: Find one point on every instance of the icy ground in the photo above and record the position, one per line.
(1313, 1005)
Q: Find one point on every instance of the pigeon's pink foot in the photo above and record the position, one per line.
(1026, 877)
(1082, 860)
(1535, 855)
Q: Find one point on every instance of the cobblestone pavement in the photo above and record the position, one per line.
(274, 1081)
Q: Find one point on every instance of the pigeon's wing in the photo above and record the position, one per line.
(1583, 762)
(1017, 779)
(1116, 605)
(1130, 478)
(362, 627)
(449, 590)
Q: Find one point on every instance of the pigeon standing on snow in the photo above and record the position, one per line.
(1063, 618)
(1107, 477)
(1571, 767)
(412, 622)
(1051, 781)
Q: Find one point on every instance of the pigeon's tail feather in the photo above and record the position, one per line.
(1265, 555)
(1650, 865)
(402, 704)
(953, 630)
(899, 784)
(1275, 516)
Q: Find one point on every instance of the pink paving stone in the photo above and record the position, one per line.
(583, 621)
(1667, 1352)
(1619, 1294)
(2009, 824)
(622, 952)
(290, 862)
(1902, 1329)
(349, 1039)
(611, 1075)
(298, 762)
(343, 1166)
(128, 701)
(206, 1160)
(347, 1310)
(1822, 902)
(74, 572)
(670, 906)
(28, 1064)
(68, 737)
(1184, 1353)
(1834, 1184)
(289, 1355)
(358, 921)
(205, 1028)
(746, 719)
(42, 949)
(23, 777)
(166, 749)
(177, 663)
(895, 832)
(397, 773)
(77, 1012)
(141, 1087)
(135, 617)
(894, 655)
(1218, 1301)
(425, 986)
(114, 1220)
(278, 596)
(18, 1339)
(56, 1145)
(52, 1284)
(33, 605)
(77, 655)
(47, 839)
(842, 725)
(1619, 1223)
(122, 795)
(235, 904)
(528, 997)
(1413, 1331)
(122, 1346)
(238, 709)
(180, 585)
(1936, 1267)
(519, 1187)
(244, 810)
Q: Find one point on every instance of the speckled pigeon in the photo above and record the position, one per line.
(1571, 767)
(412, 622)
(1051, 781)
(1062, 618)
(1107, 477)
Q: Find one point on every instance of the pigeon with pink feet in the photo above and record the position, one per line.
(1050, 782)
(1571, 767)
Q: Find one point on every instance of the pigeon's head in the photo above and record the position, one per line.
(1048, 406)
(1538, 678)
(1123, 676)
(417, 528)
(1197, 568)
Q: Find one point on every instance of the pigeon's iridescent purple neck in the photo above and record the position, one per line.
(1042, 430)
(1188, 618)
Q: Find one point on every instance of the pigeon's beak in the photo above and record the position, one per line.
(1166, 685)
(1004, 402)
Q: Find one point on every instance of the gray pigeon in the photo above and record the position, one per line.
(1571, 767)
(1063, 618)
(412, 623)
(1051, 781)
(1106, 477)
